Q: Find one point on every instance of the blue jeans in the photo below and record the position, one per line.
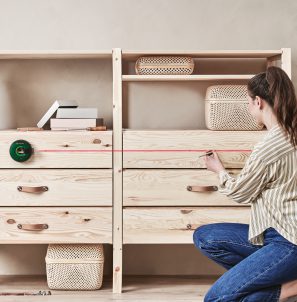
(254, 273)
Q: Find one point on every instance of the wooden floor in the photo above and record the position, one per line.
(138, 288)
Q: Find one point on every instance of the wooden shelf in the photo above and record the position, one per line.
(208, 77)
(55, 54)
(132, 55)
(167, 288)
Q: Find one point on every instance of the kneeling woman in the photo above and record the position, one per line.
(260, 258)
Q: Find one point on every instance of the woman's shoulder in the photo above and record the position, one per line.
(273, 146)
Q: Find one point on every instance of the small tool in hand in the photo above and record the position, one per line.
(208, 153)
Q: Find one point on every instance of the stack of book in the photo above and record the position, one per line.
(68, 116)
(75, 119)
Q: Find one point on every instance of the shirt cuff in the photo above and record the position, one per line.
(223, 176)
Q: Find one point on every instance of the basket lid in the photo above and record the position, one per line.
(227, 93)
(74, 253)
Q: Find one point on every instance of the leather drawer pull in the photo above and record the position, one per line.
(202, 188)
(33, 227)
(32, 189)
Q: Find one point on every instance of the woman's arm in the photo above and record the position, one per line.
(246, 186)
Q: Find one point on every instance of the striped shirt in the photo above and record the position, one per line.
(268, 182)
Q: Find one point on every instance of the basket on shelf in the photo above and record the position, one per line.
(74, 266)
(164, 65)
(226, 108)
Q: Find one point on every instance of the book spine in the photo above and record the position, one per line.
(77, 113)
(72, 123)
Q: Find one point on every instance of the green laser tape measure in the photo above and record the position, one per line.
(20, 150)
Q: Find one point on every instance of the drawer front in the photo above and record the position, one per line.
(56, 225)
(172, 187)
(68, 187)
(181, 149)
(59, 149)
(175, 225)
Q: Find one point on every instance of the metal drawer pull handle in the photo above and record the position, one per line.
(33, 227)
(32, 189)
(202, 188)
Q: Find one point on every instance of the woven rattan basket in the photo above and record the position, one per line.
(164, 65)
(74, 266)
(226, 108)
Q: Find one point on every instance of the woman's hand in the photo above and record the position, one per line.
(213, 162)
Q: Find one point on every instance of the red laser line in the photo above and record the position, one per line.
(144, 150)
(184, 150)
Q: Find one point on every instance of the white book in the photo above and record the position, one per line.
(72, 123)
(80, 112)
(51, 111)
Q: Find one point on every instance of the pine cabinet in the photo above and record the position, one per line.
(136, 183)
(163, 191)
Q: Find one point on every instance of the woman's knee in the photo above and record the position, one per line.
(203, 235)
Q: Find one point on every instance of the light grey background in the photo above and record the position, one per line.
(135, 25)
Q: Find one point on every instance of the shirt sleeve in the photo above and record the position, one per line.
(248, 185)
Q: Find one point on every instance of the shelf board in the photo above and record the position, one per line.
(132, 55)
(208, 77)
(55, 54)
(161, 288)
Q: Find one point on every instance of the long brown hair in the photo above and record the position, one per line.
(275, 87)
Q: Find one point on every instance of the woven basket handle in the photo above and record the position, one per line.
(202, 188)
(27, 189)
(33, 227)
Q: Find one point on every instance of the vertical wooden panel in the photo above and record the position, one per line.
(286, 61)
(117, 171)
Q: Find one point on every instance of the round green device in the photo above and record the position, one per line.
(20, 150)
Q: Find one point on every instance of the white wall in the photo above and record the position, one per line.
(137, 25)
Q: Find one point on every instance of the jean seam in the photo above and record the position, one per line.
(219, 253)
(268, 268)
(231, 242)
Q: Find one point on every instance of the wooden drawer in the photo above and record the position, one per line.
(180, 149)
(60, 149)
(170, 187)
(62, 225)
(68, 187)
(175, 225)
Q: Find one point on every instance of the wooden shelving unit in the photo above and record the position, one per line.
(75, 167)
(143, 175)
(151, 202)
